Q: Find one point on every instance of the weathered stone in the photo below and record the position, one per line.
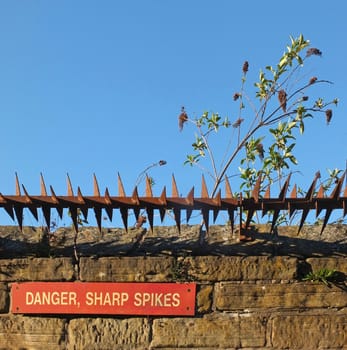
(233, 296)
(234, 268)
(309, 331)
(338, 264)
(21, 332)
(107, 333)
(127, 269)
(225, 331)
(37, 269)
(204, 298)
(4, 298)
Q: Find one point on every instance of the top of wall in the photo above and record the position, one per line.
(165, 240)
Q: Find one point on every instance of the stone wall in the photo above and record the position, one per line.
(243, 301)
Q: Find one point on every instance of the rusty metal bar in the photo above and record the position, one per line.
(78, 204)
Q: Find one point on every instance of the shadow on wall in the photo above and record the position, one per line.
(166, 241)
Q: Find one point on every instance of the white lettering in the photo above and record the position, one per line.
(106, 299)
(157, 299)
(51, 298)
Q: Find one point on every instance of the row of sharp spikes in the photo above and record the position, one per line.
(14, 204)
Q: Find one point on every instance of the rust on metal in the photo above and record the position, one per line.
(80, 204)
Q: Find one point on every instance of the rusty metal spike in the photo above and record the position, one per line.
(149, 192)
(83, 208)
(205, 216)
(124, 216)
(293, 194)
(228, 192)
(150, 215)
(74, 217)
(56, 201)
(190, 197)
(267, 193)
(204, 191)
(96, 190)
(218, 203)
(284, 189)
(8, 208)
(303, 218)
(215, 215)
(108, 208)
(43, 186)
(256, 189)
(177, 217)
(47, 215)
(320, 195)
(337, 190)
(308, 197)
(274, 220)
(98, 214)
(136, 212)
(27, 197)
(80, 196)
(326, 219)
(17, 185)
(163, 197)
(31, 208)
(250, 214)
(162, 213)
(310, 192)
(107, 197)
(53, 195)
(69, 186)
(19, 216)
(218, 199)
(334, 196)
(135, 197)
(281, 197)
(174, 187)
(188, 214)
(121, 192)
(231, 219)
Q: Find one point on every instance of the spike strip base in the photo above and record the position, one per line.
(80, 204)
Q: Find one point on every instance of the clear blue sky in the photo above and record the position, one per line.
(96, 86)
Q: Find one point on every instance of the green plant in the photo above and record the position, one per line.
(325, 276)
(261, 138)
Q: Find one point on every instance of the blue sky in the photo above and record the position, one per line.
(96, 86)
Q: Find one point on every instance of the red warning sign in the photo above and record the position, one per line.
(103, 298)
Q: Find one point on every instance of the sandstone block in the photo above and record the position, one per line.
(311, 332)
(4, 298)
(21, 332)
(204, 298)
(127, 269)
(37, 269)
(236, 268)
(107, 333)
(232, 296)
(338, 264)
(226, 331)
